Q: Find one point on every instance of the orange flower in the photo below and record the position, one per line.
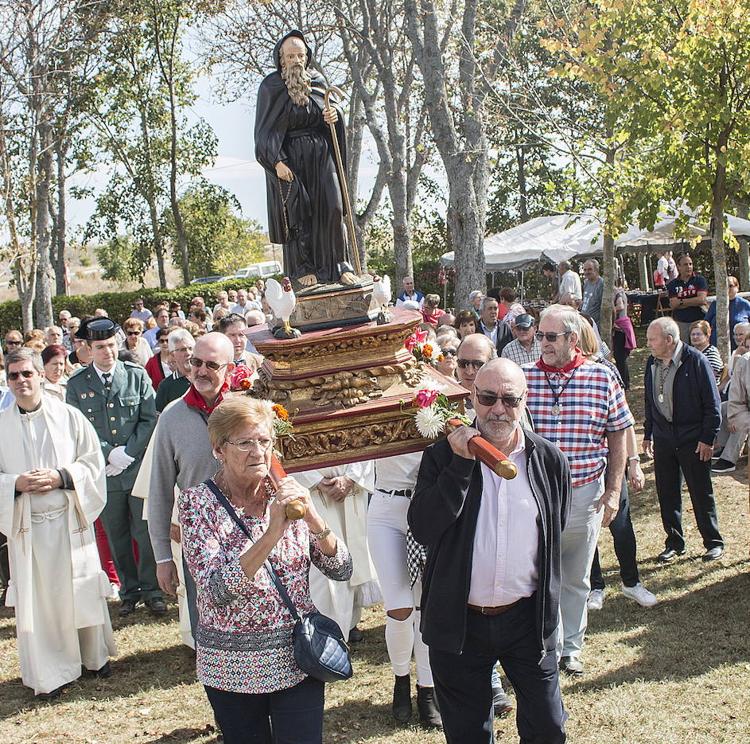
(427, 351)
(246, 384)
(281, 412)
(441, 357)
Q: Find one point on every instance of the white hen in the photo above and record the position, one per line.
(381, 289)
(282, 301)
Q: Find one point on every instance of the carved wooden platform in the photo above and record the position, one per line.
(348, 390)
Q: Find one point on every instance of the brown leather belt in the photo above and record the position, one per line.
(499, 610)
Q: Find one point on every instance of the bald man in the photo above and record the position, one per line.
(493, 594)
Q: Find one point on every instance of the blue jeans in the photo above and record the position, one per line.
(291, 716)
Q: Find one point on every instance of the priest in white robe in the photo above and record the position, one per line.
(52, 488)
(340, 495)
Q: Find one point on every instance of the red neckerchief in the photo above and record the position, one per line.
(576, 362)
(195, 400)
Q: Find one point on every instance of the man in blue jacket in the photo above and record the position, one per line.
(683, 414)
(491, 585)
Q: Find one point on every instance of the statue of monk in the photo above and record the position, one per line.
(293, 144)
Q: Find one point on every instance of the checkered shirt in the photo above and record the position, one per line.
(519, 355)
(591, 405)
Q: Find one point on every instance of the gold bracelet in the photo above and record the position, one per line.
(322, 535)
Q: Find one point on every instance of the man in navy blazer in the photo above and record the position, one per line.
(683, 414)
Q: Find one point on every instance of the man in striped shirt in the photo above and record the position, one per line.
(524, 349)
(580, 407)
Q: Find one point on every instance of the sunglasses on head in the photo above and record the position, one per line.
(549, 336)
(509, 401)
(476, 363)
(25, 373)
(215, 366)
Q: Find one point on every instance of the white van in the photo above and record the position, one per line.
(263, 270)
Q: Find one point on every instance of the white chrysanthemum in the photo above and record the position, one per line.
(428, 382)
(429, 422)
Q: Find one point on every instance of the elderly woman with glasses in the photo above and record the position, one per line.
(134, 341)
(245, 655)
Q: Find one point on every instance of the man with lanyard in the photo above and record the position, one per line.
(580, 407)
(182, 455)
(687, 296)
(118, 399)
(683, 413)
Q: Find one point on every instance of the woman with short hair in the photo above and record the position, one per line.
(134, 341)
(245, 657)
(55, 359)
(700, 339)
(466, 324)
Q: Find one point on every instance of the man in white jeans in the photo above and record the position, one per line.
(579, 406)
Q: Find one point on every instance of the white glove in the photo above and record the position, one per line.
(111, 471)
(119, 458)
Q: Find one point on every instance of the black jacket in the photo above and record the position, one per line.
(504, 335)
(443, 516)
(696, 410)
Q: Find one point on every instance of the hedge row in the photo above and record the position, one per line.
(119, 304)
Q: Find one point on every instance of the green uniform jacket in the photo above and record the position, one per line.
(124, 415)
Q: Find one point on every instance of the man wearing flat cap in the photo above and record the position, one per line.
(119, 401)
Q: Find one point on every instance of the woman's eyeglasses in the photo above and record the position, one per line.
(245, 445)
(509, 401)
(449, 352)
(198, 363)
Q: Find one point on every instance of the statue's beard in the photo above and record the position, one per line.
(298, 83)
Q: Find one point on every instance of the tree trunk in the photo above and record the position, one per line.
(158, 242)
(43, 294)
(645, 284)
(718, 200)
(608, 271)
(523, 208)
(400, 224)
(744, 254)
(60, 243)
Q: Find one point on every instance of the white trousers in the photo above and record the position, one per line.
(386, 535)
(578, 544)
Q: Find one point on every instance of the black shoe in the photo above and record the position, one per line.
(712, 554)
(156, 605)
(501, 702)
(356, 635)
(429, 715)
(104, 673)
(723, 466)
(52, 695)
(571, 665)
(401, 708)
(669, 554)
(127, 607)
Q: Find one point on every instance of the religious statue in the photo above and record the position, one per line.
(293, 143)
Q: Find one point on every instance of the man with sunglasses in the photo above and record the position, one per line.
(580, 407)
(473, 353)
(119, 401)
(492, 579)
(182, 453)
(51, 490)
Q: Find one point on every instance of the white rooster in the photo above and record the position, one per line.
(282, 301)
(381, 293)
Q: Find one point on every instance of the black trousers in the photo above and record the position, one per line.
(668, 462)
(291, 716)
(623, 537)
(621, 355)
(4, 567)
(464, 691)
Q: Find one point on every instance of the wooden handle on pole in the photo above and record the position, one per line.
(294, 509)
(491, 456)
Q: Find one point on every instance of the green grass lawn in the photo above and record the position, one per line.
(678, 673)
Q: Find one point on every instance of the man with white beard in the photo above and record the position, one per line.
(293, 144)
(52, 488)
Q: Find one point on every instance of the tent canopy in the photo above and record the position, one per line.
(563, 236)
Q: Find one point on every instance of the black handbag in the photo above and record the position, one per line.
(320, 649)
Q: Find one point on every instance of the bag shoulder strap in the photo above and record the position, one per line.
(224, 501)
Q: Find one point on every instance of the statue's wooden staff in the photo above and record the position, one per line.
(342, 180)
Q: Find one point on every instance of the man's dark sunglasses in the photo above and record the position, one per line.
(476, 363)
(25, 373)
(12, 343)
(549, 336)
(215, 366)
(509, 401)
